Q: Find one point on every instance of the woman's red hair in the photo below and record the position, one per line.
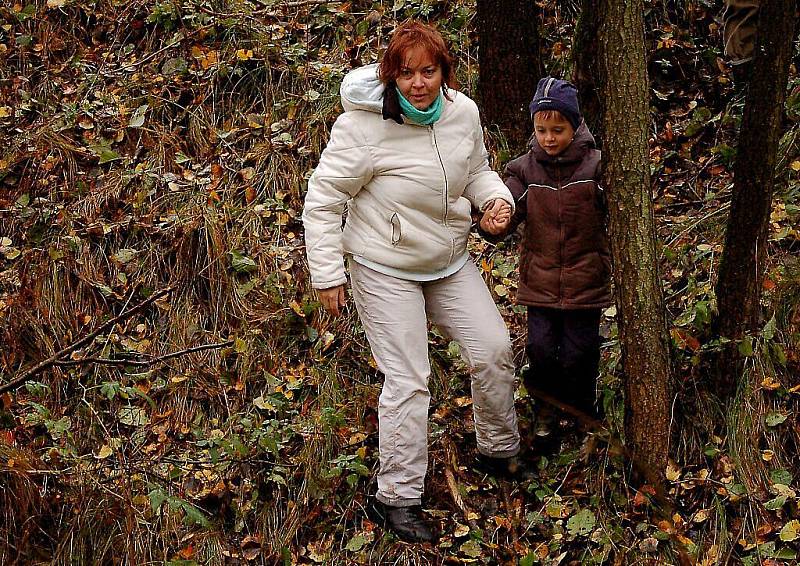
(411, 34)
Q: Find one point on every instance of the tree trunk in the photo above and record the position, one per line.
(741, 273)
(585, 74)
(640, 304)
(509, 66)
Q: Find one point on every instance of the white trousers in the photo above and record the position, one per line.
(394, 313)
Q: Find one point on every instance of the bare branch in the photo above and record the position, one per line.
(143, 363)
(51, 361)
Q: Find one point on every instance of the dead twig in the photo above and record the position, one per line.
(143, 363)
(452, 484)
(51, 361)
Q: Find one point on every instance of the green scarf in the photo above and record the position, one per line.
(421, 117)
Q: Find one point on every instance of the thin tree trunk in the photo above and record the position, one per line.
(640, 303)
(509, 66)
(585, 74)
(741, 273)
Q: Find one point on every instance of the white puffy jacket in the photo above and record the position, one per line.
(409, 189)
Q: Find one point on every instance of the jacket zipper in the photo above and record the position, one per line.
(444, 192)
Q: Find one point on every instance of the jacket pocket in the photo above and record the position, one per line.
(397, 229)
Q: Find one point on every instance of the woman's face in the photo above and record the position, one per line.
(420, 78)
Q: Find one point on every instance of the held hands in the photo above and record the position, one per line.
(333, 299)
(496, 217)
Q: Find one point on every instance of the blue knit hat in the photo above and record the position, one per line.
(555, 94)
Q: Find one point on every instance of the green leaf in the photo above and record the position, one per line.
(774, 418)
(471, 548)
(59, 427)
(107, 155)
(125, 255)
(769, 329)
(132, 416)
(137, 118)
(193, 515)
(776, 503)
(529, 559)
(356, 543)
(174, 66)
(582, 523)
(781, 476)
(241, 263)
(157, 496)
(746, 346)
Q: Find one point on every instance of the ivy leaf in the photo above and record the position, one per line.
(582, 523)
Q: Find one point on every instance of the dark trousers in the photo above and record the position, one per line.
(564, 355)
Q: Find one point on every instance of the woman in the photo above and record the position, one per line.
(407, 158)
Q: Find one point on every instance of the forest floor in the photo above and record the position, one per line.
(153, 168)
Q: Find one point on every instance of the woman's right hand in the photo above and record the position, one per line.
(333, 299)
(496, 217)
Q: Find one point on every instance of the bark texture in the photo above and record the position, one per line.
(585, 73)
(741, 274)
(509, 66)
(624, 95)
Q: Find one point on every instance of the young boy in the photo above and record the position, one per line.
(565, 262)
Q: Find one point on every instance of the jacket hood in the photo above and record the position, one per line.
(362, 89)
(582, 142)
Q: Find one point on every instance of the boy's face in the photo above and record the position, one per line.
(554, 133)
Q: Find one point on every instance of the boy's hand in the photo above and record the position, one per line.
(332, 299)
(496, 217)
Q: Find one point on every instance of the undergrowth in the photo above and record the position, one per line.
(155, 145)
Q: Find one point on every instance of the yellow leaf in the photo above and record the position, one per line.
(461, 530)
(795, 165)
(790, 531)
(5, 111)
(297, 309)
(767, 455)
(104, 452)
(244, 54)
(770, 383)
(673, 471)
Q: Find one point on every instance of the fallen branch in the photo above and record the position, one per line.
(51, 361)
(143, 363)
(452, 484)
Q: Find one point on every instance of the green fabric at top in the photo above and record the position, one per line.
(422, 117)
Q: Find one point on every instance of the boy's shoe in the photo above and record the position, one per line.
(405, 522)
(512, 468)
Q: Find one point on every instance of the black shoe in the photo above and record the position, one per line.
(512, 468)
(406, 522)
